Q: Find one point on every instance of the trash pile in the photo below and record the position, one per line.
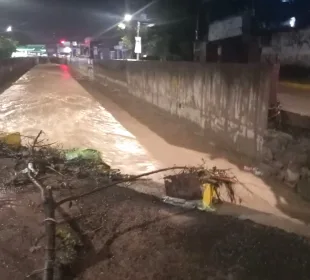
(60, 169)
(200, 187)
(60, 177)
(53, 166)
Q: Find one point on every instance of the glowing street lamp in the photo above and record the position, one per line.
(127, 17)
(122, 25)
(9, 29)
(292, 22)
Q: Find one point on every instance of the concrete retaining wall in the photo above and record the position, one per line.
(115, 69)
(228, 101)
(289, 48)
(12, 69)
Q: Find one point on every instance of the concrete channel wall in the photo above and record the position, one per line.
(228, 101)
(12, 68)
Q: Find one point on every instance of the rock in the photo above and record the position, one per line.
(304, 144)
(7, 163)
(277, 165)
(284, 137)
(25, 153)
(266, 170)
(303, 188)
(301, 159)
(305, 172)
(276, 134)
(82, 174)
(285, 157)
(277, 141)
(60, 167)
(274, 146)
(292, 174)
(267, 154)
(281, 175)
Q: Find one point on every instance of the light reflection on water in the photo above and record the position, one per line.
(48, 98)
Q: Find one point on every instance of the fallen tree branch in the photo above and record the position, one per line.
(37, 184)
(35, 141)
(130, 179)
(46, 145)
(35, 272)
(54, 170)
(50, 227)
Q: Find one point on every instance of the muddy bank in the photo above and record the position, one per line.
(119, 233)
(142, 238)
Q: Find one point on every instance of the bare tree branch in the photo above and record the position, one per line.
(35, 272)
(35, 141)
(130, 179)
(37, 184)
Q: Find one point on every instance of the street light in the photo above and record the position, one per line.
(127, 17)
(292, 22)
(122, 25)
(9, 29)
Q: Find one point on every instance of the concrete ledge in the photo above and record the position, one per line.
(294, 120)
(103, 79)
(299, 86)
(12, 69)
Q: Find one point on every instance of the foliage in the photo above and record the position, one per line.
(157, 44)
(173, 33)
(7, 47)
(128, 42)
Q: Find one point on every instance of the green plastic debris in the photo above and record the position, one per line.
(84, 154)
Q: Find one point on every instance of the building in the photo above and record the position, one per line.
(238, 30)
(30, 51)
(288, 48)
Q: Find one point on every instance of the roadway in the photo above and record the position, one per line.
(295, 98)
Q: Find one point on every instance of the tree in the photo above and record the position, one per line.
(157, 44)
(176, 20)
(174, 30)
(7, 47)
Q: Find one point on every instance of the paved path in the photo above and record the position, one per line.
(295, 100)
(124, 131)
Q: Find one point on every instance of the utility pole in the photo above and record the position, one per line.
(138, 35)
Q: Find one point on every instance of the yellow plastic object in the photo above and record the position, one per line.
(208, 196)
(11, 139)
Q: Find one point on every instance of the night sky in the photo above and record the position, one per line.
(49, 21)
(52, 20)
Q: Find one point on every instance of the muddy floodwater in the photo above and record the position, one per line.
(48, 98)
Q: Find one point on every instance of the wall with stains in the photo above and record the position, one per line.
(11, 69)
(289, 48)
(114, 68)
(228, 100)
